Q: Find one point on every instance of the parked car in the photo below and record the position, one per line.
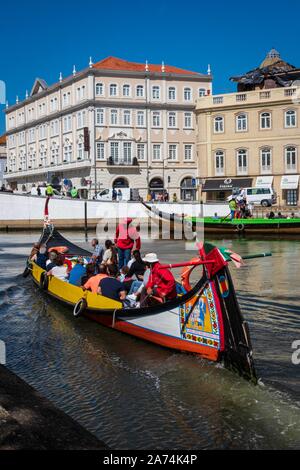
(106, 195)
(258, 196)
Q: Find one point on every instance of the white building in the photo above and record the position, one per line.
(2, 159)
(140, 120)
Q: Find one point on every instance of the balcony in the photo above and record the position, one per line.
(43, 169)
(122, 162)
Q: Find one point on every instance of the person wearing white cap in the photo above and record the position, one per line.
(161, 281)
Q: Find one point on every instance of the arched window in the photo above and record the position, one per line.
(140, 91)
(218, 124)
(242, 161)
(156, 183)
(172, 93)
(291, 159)
(126, 90)
(99, 89)
(201, 92)
(265, 120)
(187, 94)
(54, 154)
(241, 122)
(113, 89)
(266, 160)
(68, 151)
(188, 189)
(171, 119)
(120, 183)
(290, 118)
(219, 162)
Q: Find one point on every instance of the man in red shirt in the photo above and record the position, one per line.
(126, 236)
(161, 281)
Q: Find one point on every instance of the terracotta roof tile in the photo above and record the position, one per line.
(2, 139)
(113, 63)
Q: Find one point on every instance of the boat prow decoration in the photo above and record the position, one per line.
(205, 320)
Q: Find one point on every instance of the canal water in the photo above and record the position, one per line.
(135, 395)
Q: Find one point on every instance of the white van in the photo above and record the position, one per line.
(259, 196)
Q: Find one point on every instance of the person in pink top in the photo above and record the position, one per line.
(126, 237)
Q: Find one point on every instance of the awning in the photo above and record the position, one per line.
(289, 182)
(226, 184)
(264, 181)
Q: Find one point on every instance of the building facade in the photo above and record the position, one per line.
(251, 138)
(2, 159)
(140, 120)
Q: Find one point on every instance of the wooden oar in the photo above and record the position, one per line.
(258, 255)
(225, 217)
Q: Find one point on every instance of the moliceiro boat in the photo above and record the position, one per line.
(205, 320)
(223, 225)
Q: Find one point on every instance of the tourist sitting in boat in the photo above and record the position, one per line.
(51, 261)
(60, 270)
(34, 252)
(110, 286)
(125, 278)
(97, 252)
(137, 266)
(41, 257)
(271, 215)
(280, 216)
(215, 216)
(92, 283)
(110, 255)
(161, 283)
(77, 272)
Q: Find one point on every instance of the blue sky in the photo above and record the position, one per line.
(43, 38)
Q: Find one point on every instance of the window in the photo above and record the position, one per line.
(242, 164)
(187, 94)
(188, 152)
(100, 151)
(31, 158)
(291, 159)
(54, 128)
(68, 151)
(99, 116)
(31, 135)
(140, 119)
(80, 119)
(127, 152)
(201, 92)
(43, 155)
(80, 150)
(126, 90)
(172, 93)
(218, 124)
(187, 120)
(54, 154)
(172, 152)
(156, 119)
(219, 162)
(22, 158)
(265, 120)
(114, 151)
(42, 131)
(113, 89)
(241, 122)
(53, 105)
(266, 160)
(156, 154)
(99, 89)
(140, 151)
(67, 123)
(127, 117)
(155, 92)
(80, 93)
(113, 117)
(66, 99)
(140, 91)
(172, 119)
(290, 118)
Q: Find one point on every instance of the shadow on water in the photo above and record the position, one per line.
(133, 394)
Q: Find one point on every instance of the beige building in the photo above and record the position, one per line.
(140, 119)
(252, 137)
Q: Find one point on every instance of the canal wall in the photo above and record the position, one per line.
(29, 421)
(26, 212)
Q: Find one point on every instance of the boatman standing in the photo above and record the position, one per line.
(126, 237)
(49, 190)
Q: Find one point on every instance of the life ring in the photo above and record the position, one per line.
(79, 307)
(59, 249)
(240, 227)
(185, 274)
(44, 281)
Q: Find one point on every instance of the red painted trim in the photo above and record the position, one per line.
(220, 315)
